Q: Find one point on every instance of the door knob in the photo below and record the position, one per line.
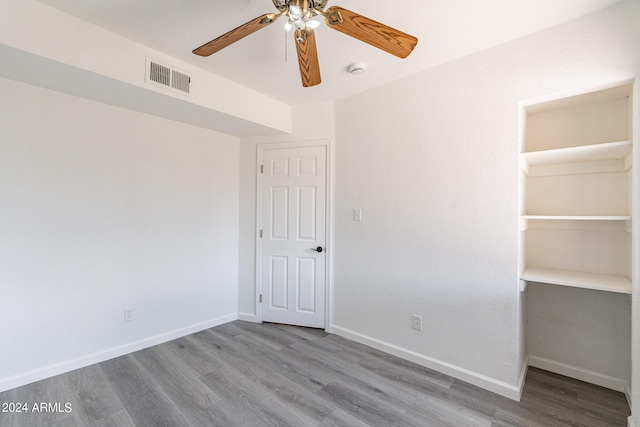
(318, 249)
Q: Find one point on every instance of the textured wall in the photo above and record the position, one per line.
(432, 160)
(102, 209)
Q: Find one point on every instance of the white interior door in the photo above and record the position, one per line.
(293, 255)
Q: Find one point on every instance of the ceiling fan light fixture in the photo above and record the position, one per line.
(295, 12)
(298, 19)
(312, 24)
(288, 26)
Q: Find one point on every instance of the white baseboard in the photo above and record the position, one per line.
(90, 359)
(249, 317)
(581, 374)
(630, 422)
(499, 387)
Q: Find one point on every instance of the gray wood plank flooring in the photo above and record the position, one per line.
(246, 374)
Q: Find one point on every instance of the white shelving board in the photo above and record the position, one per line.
(524, 219)
(600, 282)
(579, 217)
(585, 153)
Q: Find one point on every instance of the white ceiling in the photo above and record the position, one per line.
(446, 29)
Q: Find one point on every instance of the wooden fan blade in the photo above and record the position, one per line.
(307, 57)
(236, 34)
(369, 31)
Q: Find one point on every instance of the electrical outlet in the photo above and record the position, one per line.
(357, 214)
(417, 322)
(129, 314)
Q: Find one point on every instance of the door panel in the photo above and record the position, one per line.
(293, 220)
(307, 214)
(306, 284)
(279, 283)
(280, 213)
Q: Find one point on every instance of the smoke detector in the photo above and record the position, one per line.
(356, 68)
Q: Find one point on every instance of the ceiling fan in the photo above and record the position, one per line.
(300, 16)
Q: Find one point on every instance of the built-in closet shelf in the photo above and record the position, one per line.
(583, 153)
(579, 217)
(600, 282)
(590, 158)
(613, 219)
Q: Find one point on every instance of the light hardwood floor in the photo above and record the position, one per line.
(245, 374)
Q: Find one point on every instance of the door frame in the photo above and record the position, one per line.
(329, 222)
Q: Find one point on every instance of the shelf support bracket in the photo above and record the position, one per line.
(523, 224)
(523, 285)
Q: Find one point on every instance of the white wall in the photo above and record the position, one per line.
(102, 209)
(432, 160)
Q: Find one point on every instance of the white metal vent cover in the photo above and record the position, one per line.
(164, 76)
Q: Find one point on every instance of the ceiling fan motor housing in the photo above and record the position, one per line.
(283, 5)
(319, 4)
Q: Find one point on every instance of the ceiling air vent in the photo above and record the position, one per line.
(164, 76)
